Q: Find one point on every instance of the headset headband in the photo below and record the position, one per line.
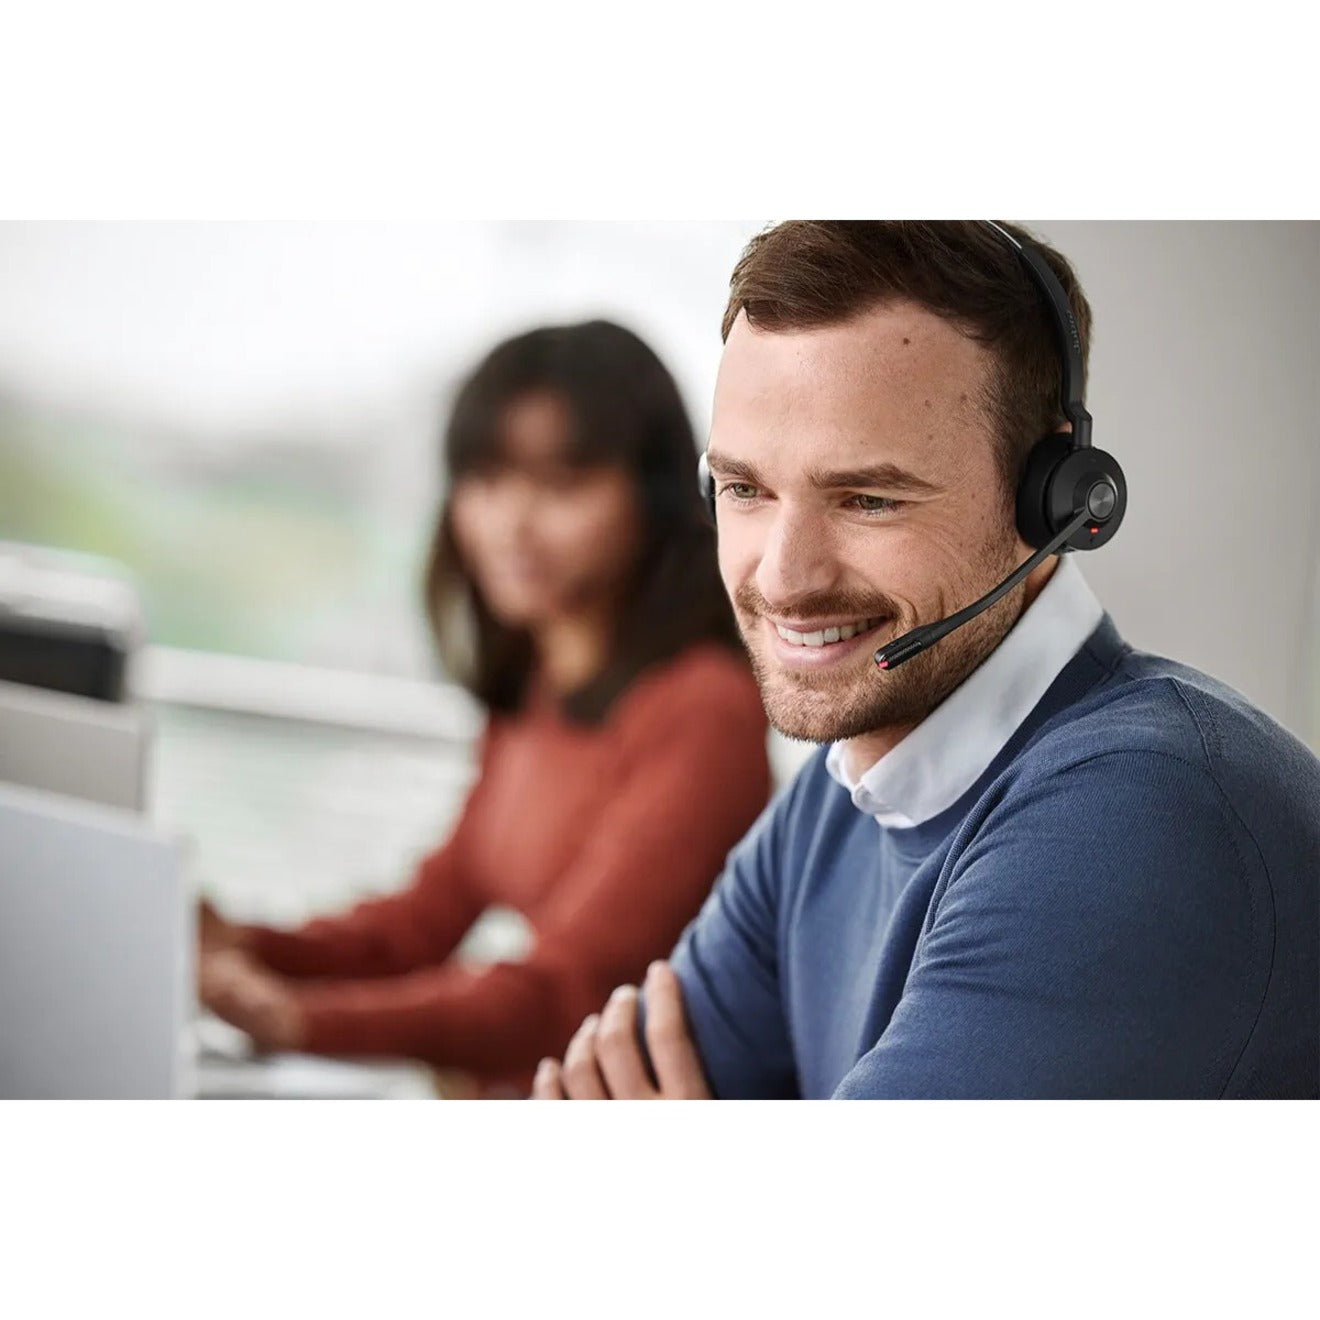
(1065, 330)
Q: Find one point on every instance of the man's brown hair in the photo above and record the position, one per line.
(804, 273)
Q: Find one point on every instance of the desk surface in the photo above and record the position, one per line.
(219, 1065)
(304, 1077)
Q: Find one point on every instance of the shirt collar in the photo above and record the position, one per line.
(950, 749)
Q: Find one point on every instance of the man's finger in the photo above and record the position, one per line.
(677, 1067)
(580, 1075)
(617, 1049)
(547, 1085)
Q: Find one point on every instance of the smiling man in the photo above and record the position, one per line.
(1030, 861)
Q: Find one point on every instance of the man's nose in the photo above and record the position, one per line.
(797, 559)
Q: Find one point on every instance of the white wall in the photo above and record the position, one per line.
(1204, 386)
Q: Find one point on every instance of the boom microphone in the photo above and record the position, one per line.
(894, 653)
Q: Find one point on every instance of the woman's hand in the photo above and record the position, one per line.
(234, 986)
(214, 932)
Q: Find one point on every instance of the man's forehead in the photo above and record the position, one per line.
(897, 378)
(896, 350)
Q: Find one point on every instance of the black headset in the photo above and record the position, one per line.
(1072, 496)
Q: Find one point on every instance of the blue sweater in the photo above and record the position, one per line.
(1124, 905)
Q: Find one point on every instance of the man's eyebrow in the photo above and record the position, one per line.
(875, 476)
(732, 467)
(882, 476)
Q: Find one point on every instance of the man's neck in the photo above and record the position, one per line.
(862, 752)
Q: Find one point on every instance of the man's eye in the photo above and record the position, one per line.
(741, 490)
(875, 503)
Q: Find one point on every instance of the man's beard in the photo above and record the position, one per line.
(860, 698)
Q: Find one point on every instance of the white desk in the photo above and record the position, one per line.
(219, 1065)
(306, 1077)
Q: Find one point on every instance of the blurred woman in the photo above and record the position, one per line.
(572, 586)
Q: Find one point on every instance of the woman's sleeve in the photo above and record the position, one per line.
(694, 777)
(419, 926)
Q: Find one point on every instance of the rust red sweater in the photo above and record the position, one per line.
(606, 838)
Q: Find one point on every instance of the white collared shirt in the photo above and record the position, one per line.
(950, 749)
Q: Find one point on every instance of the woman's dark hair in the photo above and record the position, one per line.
(627, 413)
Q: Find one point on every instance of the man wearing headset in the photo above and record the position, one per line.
(1029, 860)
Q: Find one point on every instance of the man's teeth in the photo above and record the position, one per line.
(827, 635)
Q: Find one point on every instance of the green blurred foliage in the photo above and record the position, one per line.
(232, 561)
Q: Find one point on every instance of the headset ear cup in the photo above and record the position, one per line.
(1071, 488)
(706, 485)
(1043, 462)
(1056, 484)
